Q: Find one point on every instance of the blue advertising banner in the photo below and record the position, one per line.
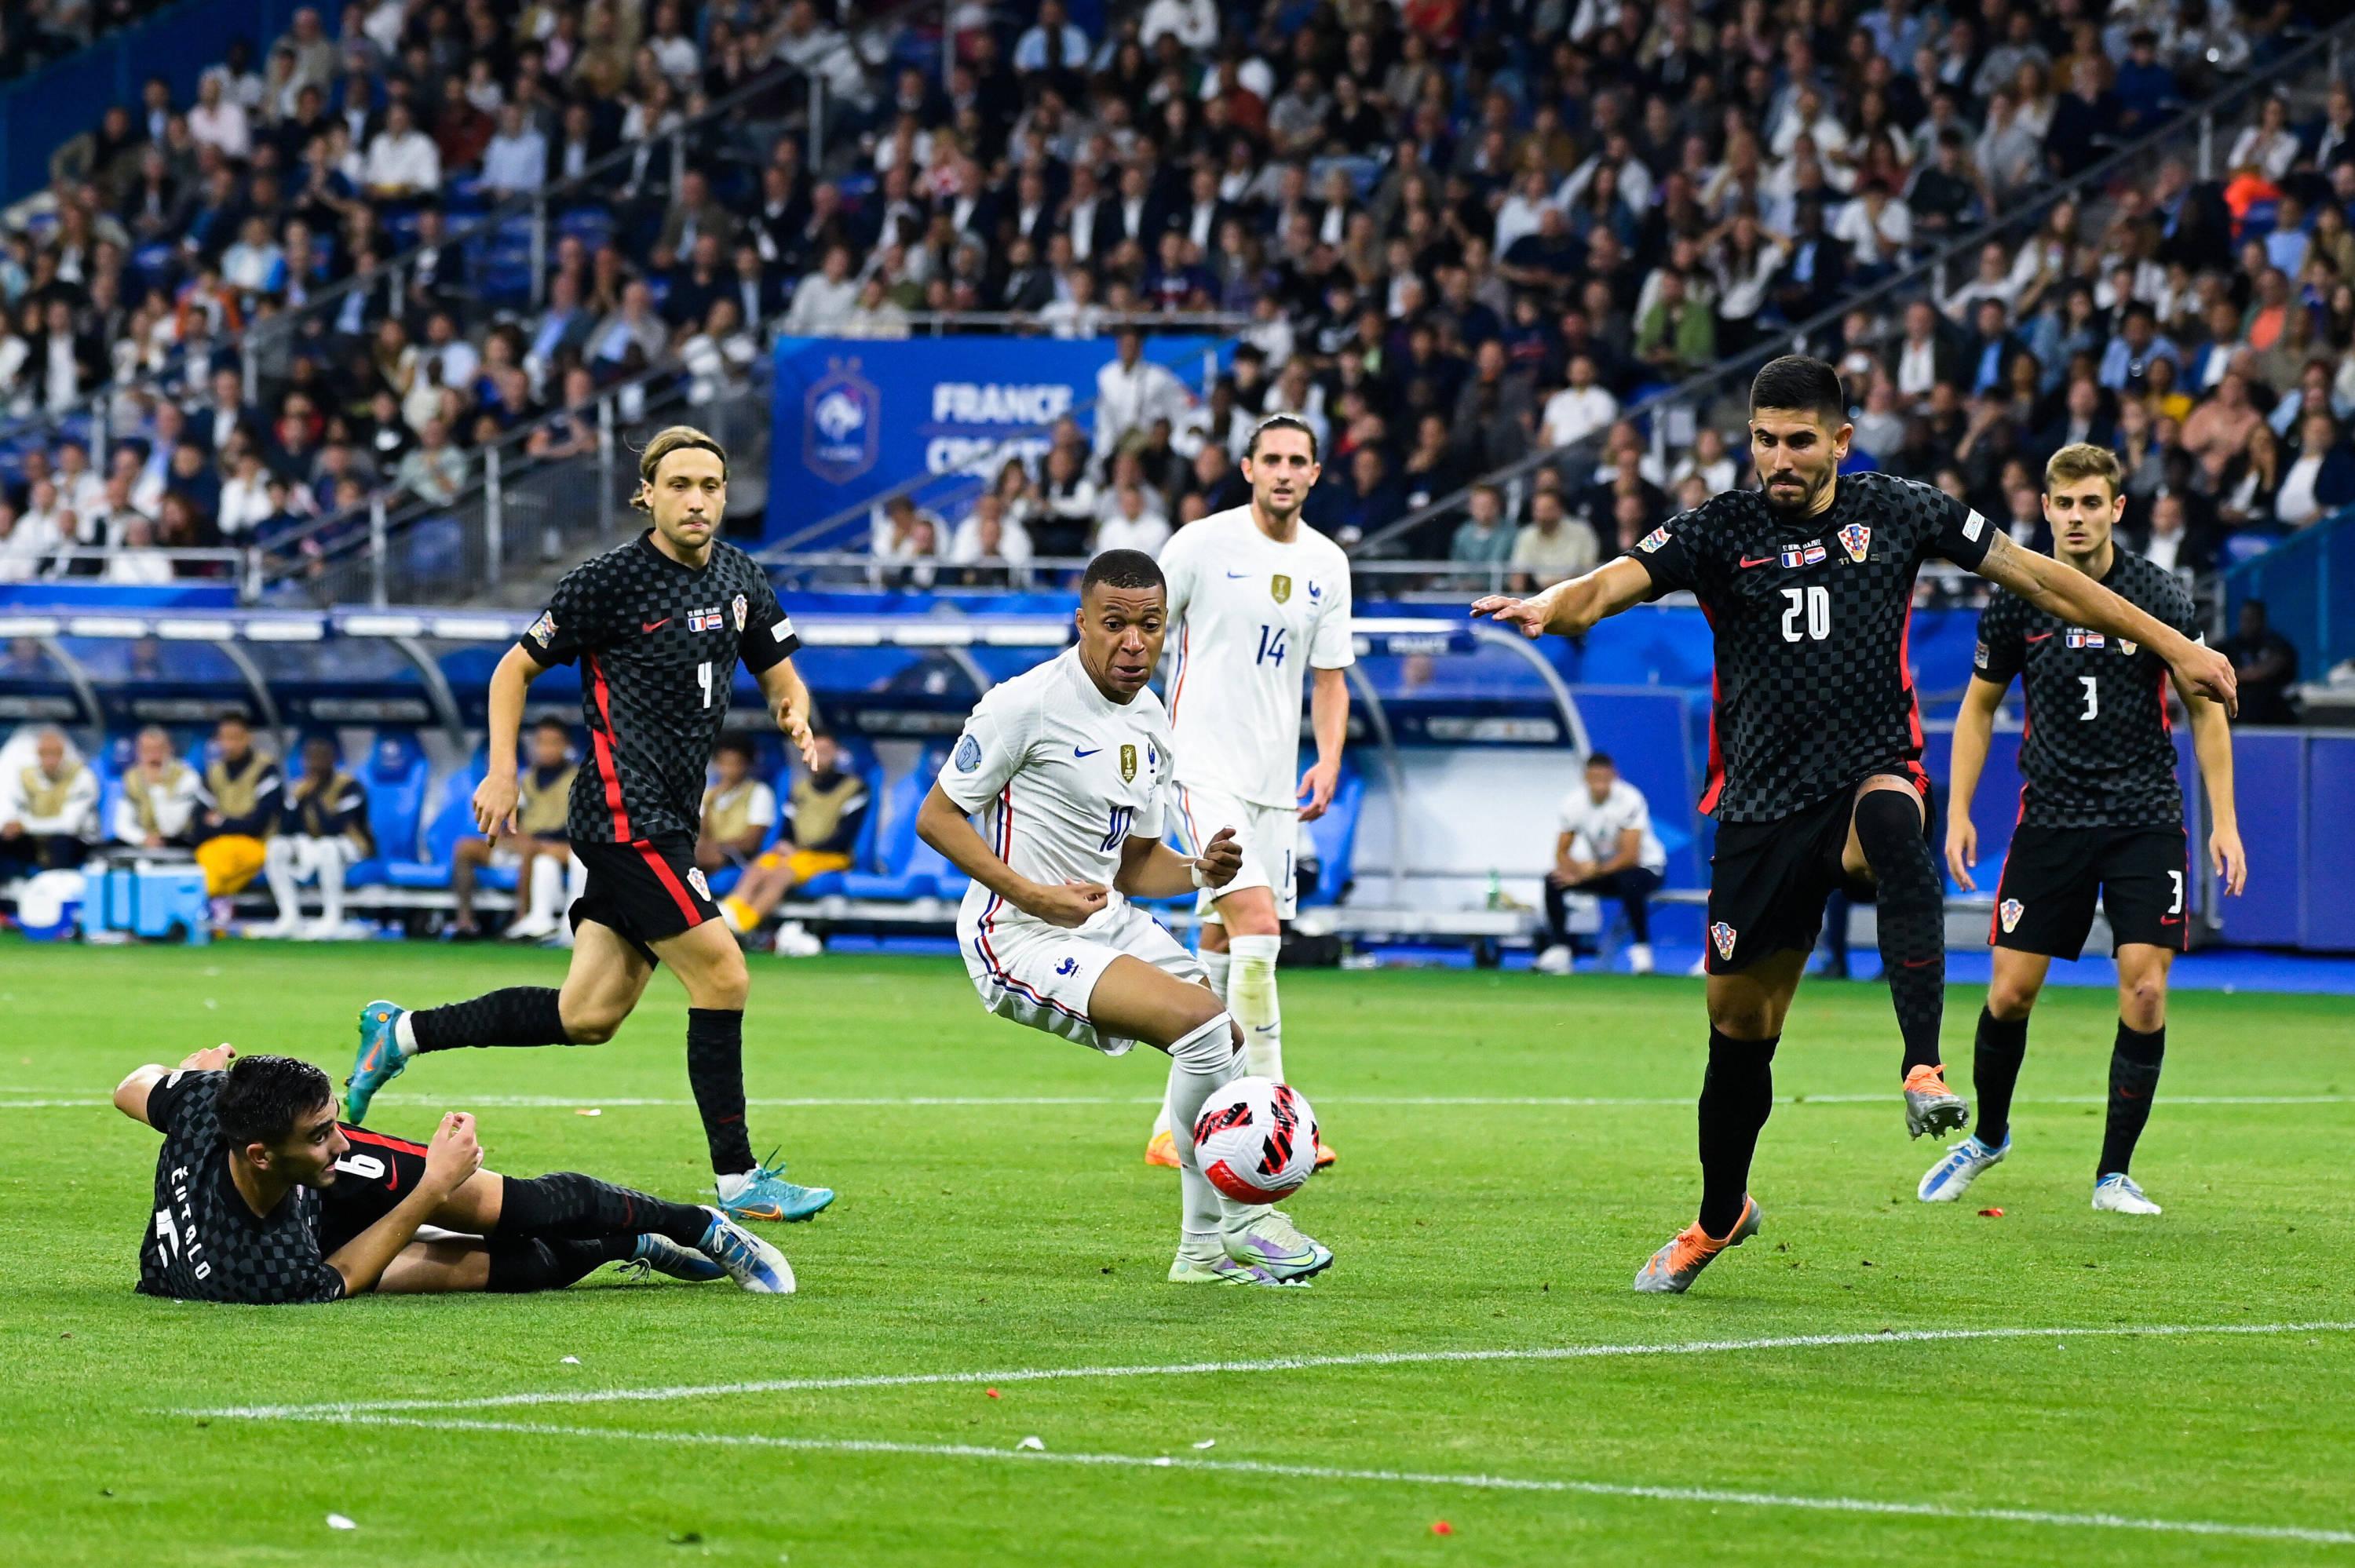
(856, 417)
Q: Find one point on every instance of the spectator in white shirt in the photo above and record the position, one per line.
(402, 162)
(2270, 146)
(48, 809)
(219, 122)
(1554, 548)
(989, 534)
(1134, 524)
(244, 498)
(1132, 393)
(1606, 848)
(136, 560)
(517, 158)
(19, 560)
(909, 547)
(1580, 409)
(1195, 23)
(822, 304)
(1709, 460)
(161, 795)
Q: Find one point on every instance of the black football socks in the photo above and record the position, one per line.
(569, 1206)
(1737, 1093)
(2134, 1078)
(1995, 1070)
(715, 1070)
(522, 1015)
(521, 1264)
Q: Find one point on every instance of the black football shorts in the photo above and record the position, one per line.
(2051, 876)
(1768, 880)
(643, 891)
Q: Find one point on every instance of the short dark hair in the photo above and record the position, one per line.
(549, 720)
(1282, 422)
(262, 1096)
(1600, 759)
(737, 744)
(1123, 569)
(1799, 381)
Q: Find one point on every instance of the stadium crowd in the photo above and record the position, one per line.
(1461, 235)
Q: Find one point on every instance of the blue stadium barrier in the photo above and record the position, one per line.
(452, 819)
(393, 777)
(892, 843)
(1335, 838)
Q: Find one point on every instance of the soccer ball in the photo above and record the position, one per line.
(1256, 1140)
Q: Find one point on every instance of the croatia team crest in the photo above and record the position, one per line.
(1280, 586)
(2010, 912)
(1127, 763)
(740, 607)
(695, 880)
(1721, 936)
(1857, 540)
(842, 420)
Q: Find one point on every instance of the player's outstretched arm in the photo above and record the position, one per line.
(1571, 608)
(1974, 731)
(495, 797)
(1149, 868)
(2077, 599)
(131, 1095)
(2212, 742)
(789, 704)
(942, 824)
(453, 1156)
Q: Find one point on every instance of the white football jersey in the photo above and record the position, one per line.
(1250, 614)
(1594, 829)
(1062, 776)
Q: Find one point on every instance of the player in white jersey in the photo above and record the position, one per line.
(1256, 596)
(1069, 767)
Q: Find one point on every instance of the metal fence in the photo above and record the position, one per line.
(1673, 414)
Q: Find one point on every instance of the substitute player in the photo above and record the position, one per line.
(1069, 765)
(657, 626)
(1815, 745)
(2100, 816)
(262, 1197)
(1257, 598)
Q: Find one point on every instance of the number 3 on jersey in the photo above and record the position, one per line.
(1271, 645)
(1812, 604)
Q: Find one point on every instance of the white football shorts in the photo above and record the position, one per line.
(1043, 975)
(1267, 833)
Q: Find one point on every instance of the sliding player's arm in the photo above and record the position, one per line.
(943, 823)
(453, 1156)
(1570, 608)
(1149, 868)
(2062, 590)
(2212, 742)
(131, 1096)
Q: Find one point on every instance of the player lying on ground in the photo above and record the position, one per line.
(1257, 598)
(657, 626)
(1069, 767)
(1816, 745)
(262, 1197)
(2100, 816)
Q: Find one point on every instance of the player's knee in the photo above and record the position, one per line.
(1207, 1045)
(726, 985)
(1745, 1018)
(2142, 1003)
(2011, 1000)
(1889, 830)
(591, 1024)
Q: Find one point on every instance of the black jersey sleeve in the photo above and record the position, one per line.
(2002, 650)
(177, 1090)
(769, 637)
(1668, 553)
(569, 626)
(1957, 531)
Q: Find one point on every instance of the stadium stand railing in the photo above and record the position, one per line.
(1672, 413)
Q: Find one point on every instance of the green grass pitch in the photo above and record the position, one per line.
(1477, 1208)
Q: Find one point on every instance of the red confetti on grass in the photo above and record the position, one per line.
(1440, 1527)
(1991, 1213)
(991, 1392)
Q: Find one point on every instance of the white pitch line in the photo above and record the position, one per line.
(1710, 1495)
(1572, 1102)
(341, 1408)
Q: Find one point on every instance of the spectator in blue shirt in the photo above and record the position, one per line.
(2127, 359)
(2147, 91)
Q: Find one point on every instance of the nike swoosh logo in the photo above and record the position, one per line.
(2127, 1094)
(1919, 963)
(1238, 574)
(2170, 919)
(1762, 561)
(1077, 752)
(2039, 636)
(656, 625)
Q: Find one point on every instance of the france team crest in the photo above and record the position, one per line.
(2010, 912)
(1721, 936)
(1857, 540)
(842, 424)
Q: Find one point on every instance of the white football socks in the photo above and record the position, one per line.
(1215, 965)
(1199, 1063)
(547, 887)
(278, 870)
(1251, 991)
(404, 1033)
